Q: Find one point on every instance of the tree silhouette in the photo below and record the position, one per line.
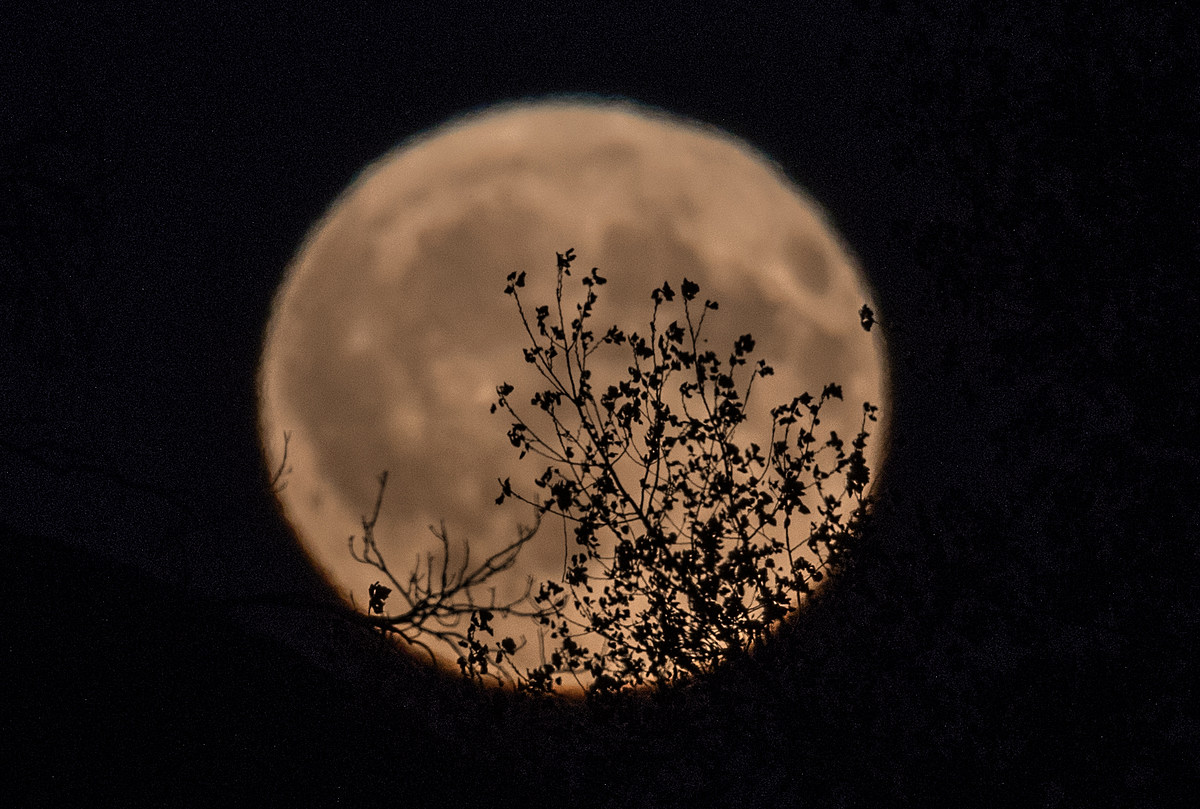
(437, 597)
(690, 547)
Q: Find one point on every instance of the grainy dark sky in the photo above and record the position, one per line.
(1020, 189)
(164, 169)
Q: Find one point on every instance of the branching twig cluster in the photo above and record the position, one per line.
(689, 546)
(440, 601)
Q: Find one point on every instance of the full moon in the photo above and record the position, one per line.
(390, 332)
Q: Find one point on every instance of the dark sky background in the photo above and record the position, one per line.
(1020, 188)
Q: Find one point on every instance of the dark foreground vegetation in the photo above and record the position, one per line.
(888, 690)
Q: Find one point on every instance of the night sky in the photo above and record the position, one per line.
(1021, 192)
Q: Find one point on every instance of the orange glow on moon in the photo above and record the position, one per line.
(390, 331)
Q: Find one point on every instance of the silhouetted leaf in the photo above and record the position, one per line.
(867, 317)
(377, 594)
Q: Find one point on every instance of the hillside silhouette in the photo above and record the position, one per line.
(120, 688)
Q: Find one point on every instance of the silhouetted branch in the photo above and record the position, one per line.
(689, 547)
(283, 468)
(42, 452)
(439, 597)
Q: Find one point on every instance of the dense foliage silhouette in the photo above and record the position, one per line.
(689, 544)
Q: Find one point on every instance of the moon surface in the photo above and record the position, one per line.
(390, 331)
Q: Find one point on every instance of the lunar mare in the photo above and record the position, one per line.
(390, 331)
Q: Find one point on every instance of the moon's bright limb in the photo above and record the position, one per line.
(390, 332)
